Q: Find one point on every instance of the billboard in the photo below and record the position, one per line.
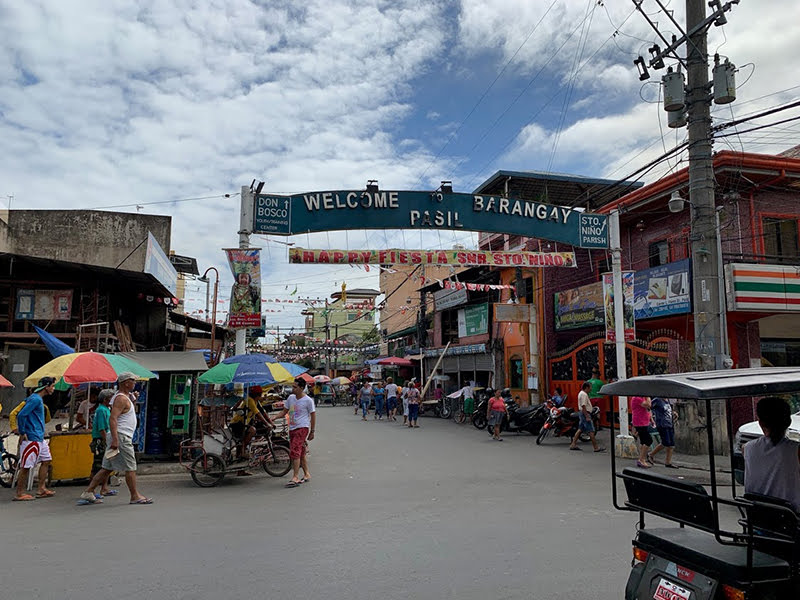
(245, 310)
(579, 307)
(662, 290)
(627, 306)
(473, 320)
(157, 264)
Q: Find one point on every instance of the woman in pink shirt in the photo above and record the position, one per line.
(640, 412)
(495, 412)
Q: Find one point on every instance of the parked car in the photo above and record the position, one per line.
(751, 431)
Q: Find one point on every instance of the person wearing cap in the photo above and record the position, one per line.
(100, 429)
(242, 422)
(120, 455)
(33, 448)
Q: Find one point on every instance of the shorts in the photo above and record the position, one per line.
(391, 403)
(297, 442)
(644, 436)
(413, 412)
(667, 435)
(125, 461)
(238, 429)
(496, 417)
(33, 453)
(584, 424)
(98, 447)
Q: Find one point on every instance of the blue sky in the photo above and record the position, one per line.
(130, 103)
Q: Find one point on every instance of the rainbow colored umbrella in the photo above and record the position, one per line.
(252, 369)
(87, 367)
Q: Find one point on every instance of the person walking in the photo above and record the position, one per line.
(33, 448)
(365, 395)
(596, 383)
(585, 425)
(378, 392)
(404, 398)
(354, 397)
(641, 417)
(100, 429)
(391, 399)
(662, 415)
(413, 399)
(302, 423)
(120, 455)
(496, 410)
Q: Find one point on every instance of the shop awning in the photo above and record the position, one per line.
(169, 361)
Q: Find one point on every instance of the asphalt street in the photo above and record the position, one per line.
(436, 512)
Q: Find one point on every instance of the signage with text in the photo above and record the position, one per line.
(463, 258)
(385, 209)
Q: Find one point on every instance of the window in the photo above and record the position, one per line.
(780, 238)
(449, 326)
(352, 316)
(515, 372)
(658, 252)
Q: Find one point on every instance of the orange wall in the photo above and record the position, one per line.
(514, 337)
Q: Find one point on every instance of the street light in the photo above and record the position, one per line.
(204, 279)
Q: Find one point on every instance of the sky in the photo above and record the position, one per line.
(170, 107)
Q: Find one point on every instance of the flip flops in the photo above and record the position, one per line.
(575, 448)
(600, 450)
(110, 493)
(292, 484)
(142, 501)
(46, 494)
(23, 498)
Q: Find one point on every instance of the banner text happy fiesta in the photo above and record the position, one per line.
(466, 258)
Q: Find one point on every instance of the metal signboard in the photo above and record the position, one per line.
(385, 209)
(512, 313)
(445, 299)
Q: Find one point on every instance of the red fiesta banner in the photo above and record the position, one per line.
(463, 258)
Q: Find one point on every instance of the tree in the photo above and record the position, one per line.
(371, 337)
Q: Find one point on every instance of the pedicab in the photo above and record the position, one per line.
(214, 454)
(736, 548)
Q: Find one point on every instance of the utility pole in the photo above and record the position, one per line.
(245, 223)
(707, 284)
(705, 265)
(327, 340)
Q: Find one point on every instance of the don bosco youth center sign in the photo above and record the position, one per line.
(383, 209)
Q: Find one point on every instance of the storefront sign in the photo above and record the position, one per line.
(762, 287)
(44, 305)
(627, 306)
(580, 307)
(245, 308)
(513, 313)
(456, 350)
(157, 264)
(463, 258)
(384, 209)
(662, 291)
(445, 299)
(473, 320)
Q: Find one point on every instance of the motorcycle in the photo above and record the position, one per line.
(562, 421)
(481, 402)
(522, 418)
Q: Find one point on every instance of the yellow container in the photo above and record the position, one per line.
(72, 457)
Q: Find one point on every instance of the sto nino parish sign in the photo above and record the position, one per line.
(383, 209)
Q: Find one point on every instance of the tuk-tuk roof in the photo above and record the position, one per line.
(699, 385)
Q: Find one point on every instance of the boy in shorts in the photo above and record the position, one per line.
(662, 415)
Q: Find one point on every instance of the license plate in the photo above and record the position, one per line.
(671, 591)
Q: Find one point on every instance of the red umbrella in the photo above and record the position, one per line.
(5, 382)
(396, 361)
(306, 377)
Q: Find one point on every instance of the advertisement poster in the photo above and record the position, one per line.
(579, 307)
(662, 290)
(44, 305)
(245, 308)
(473, 320)
(627, 306)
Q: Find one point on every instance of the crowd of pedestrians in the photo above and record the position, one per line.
(385, 399)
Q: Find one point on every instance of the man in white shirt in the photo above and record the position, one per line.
(302, 421)
(585, 424)
(391, 399)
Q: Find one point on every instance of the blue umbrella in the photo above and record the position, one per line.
(54, 345)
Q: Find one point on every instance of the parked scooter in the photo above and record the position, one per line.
(481, 402)
(563, 422)
(522, 418)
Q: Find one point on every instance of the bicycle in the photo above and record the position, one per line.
(8, 464)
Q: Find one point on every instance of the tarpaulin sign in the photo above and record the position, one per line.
(627, 306)
(245, 308)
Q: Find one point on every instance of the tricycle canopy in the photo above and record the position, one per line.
(703, 385)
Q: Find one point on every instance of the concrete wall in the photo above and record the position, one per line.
(85, 236)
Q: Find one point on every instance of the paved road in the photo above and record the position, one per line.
(436, 512)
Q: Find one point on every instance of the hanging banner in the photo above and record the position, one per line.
(463, 258)
(473, 320)
(579, 307)
(245, 309)
(662, 290)
(627, 306)
(420, 209)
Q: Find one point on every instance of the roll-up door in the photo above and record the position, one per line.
(484, 362)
